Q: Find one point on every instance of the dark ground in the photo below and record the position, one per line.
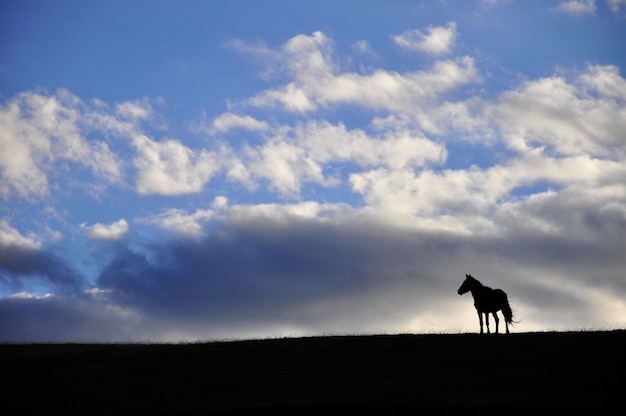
(392, 373)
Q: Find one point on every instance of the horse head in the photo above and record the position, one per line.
(467, 284)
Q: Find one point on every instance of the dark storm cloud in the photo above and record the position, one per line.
(64, 318)
(19, 265)
(265, 269)
(259, 276)
(311, 273)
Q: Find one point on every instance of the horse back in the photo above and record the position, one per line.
(490, 300)
(500, 293)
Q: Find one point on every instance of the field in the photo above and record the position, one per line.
(397, 373)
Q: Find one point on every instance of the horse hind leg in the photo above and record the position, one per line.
(487, 321)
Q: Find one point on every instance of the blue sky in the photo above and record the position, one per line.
(176, 171)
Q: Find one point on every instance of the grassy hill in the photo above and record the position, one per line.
(563, 370)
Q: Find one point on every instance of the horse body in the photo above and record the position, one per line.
(488, 301)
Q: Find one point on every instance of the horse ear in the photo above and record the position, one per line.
(466, 275)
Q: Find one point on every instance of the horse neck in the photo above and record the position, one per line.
(477, 288)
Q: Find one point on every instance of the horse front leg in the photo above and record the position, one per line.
(480, 320)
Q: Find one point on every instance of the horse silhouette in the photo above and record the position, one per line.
(488, 300)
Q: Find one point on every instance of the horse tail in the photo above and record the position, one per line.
(507, 311)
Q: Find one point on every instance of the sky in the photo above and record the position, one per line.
(190, 170)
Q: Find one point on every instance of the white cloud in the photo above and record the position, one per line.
(295, 155)
(464, 119)
(228, 121)
(437, 40)
(311, 210)
(285, 165)
(563, 131)
(327, 143)
(113, 231)
(318, 82)
(134, 110)
(363, 47)
(452, 200)
(292, 97)
(180, 222)
(560, 130)
(20, 151)
(190, 225)
(37, 132)
(562, 114)
(567, 133)
(616, 5)
(577, 7)
(479, 201)
(28, 295)
(193, 224)
(171, 168)
(380, 90)
(10, 237)
(575, 211)
(606, 81)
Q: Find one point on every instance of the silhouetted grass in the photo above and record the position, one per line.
(548, 371)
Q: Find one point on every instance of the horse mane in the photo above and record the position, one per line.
(469, 276)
